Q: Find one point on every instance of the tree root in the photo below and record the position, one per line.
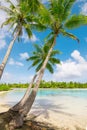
(11, 120)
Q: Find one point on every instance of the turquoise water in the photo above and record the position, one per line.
(18, 93)
(80, 93)
(13, 96)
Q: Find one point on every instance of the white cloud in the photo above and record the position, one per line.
(84, 8)
(13, 62)
(24, 55)
(73, 69)
(2, 44)
(6, 77)
(19, 63)
(76, 55)
(9, 77)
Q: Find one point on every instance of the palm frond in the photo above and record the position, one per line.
(54, 52)
(38, 48)
(56, 8)
(8, 21)
(67, 8)
(11, 3)
(46, 48)
(76, 21)
(54, 61)
(39, 66)
(49, 67)
(48, 36)
(7, 10)
(32, 58)
(69, 35)
(36, 62)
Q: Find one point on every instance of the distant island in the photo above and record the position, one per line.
(44, 84)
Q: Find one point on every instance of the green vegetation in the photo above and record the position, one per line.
(43, 84)
(39, 55)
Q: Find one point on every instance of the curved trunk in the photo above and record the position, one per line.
(28, 104)
(25, 97)
(5, 59)
(29, 99)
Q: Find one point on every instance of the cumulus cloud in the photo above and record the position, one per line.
(13, 62)
(3, 34)
(9, 77)
(2, 44)
(73, 69)
(84, 9)
(6, 77)
(24, 55)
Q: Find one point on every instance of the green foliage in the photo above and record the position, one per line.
(4, 87)
(65, 85)
(76, 21)
(62, 19)
(24, 15)
(39, 55)
(44, 84)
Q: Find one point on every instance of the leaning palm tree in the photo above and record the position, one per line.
(60, 21)
(20, 17)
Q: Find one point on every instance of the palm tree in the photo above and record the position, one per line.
(20, 17)
(39, 55)
(60, 21)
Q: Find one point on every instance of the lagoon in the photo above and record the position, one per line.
(60, 107)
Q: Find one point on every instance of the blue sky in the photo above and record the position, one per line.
(73, 58)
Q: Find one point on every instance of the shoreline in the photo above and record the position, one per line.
(64, 113)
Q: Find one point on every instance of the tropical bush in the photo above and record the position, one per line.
(44, 84)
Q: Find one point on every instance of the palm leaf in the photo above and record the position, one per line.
(49, 67)
(67, 7)
(69, 35)
(37, 61)
(54, 61)
(46, 48)
(12, 5)
(56, 8)
(39, 66)
(48, 36)
(8, 21)
(76, 21)
(54, 52)
(32, 58)
(38, 48)
(8, 10)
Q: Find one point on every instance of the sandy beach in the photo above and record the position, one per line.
(62, 111)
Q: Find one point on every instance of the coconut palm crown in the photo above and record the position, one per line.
(61, 18)
(40, 54)
(21, 16)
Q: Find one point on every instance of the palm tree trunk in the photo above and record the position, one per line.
(26, 95)
(5, 59)
(30, 100)
(28, 104)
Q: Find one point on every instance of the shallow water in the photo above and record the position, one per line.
(15, 95)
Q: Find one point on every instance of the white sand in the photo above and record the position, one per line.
(61, 111)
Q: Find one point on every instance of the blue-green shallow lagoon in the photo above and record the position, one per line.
(17, 94)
